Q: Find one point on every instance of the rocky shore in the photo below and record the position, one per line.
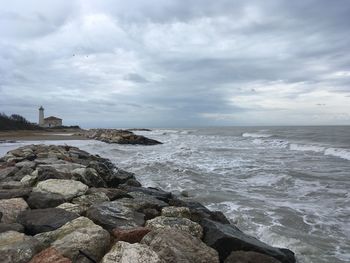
(118, 136)
(61, 204)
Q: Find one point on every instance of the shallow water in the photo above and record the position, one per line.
(288, 186)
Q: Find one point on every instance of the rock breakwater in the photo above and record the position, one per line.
(118, 136)
(61, 204)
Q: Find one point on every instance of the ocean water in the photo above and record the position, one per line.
(287, 186)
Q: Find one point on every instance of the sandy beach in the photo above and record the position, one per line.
(35, 135)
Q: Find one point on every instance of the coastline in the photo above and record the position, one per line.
(38, 135)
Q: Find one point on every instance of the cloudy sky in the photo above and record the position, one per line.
(173, 63)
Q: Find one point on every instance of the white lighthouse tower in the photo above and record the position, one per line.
(41, 116)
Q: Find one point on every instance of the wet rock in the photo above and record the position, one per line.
(227, 238)
(175, 223)
(249, 257)
(112, 193)
(43, 220)
(133, 182)
(74, 208)
(11, 227)
(173, 211)
(50, 255)
(132, 235)
(11, 208)
(116, 178)
(88, 176)
(157, 193)
(44, 200)
(15, 193)
(67, 188)
(199, 211)
(78, 240)
(141, 201)
(174, 246)
(17, 248)
(135, 253)
(115, 214)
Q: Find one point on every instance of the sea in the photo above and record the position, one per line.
(287, 186)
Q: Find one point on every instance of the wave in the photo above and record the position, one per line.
(338, 152)
(305, 148)
(256, 135)
(335, 152)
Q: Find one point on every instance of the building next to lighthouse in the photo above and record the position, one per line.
(48, 122)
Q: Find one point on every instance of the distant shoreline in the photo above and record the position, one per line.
(38, 135)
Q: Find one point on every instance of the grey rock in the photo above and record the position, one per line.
(43, 220)
(91, 199)
(173, 211)
(135, 253)
(115, 214)
(75, 208)
(13, 193)
(227, 238)
(183, 224)
(11, 208)
(249, 257)
(18, 248)
(112, 193)
(11, 227)
(7, 172)
(174, 246)
(88, 176)
(44, 200)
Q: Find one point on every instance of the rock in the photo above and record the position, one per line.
(173, 211)
(115, 214)
(249, 257)
(11, 185)
(17, 248)
(63, 168)
(174, 246)
(15, 193)
(25, 163)
(112, 193)
(74, 208)
(47, 172)
(86, 201)
(43, 220)
(227, 238)
(78, 240)
(133, 253)
(116, 178)
(50, 255)
(7, 172)
(132, 235)
(21, 173)
(11, 226)
(141, 201)
(44, 200)
(67, 188)
(11, 208)
(159, 194)
(29, 179)
(133, 182)
(183, 224)
(150, 213)
(88, 176)
(199, 211)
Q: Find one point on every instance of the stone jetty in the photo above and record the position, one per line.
(118, 136)
(62, 204)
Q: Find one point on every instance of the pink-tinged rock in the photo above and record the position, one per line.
(11, 208)
(133, 235)
(50, 255)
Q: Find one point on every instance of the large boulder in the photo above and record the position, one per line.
(85, 201)
(227, 238)
(176, 223)
(174, 246)
(173, 211)
(135, 253)
(140, 201)
(7, 172)
(43, 220)
(44, 200)
(11, 208)
(112, 193)
(75, 208)
(88, 176)
(50, 255)
(67, 188)
(115, 214)
(80, 240)
(17, 247)
(157, 193)
(13, 193)
(11, 226)
(249, 257)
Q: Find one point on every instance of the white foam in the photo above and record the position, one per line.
(256, 135)
(338, 152)
(305, 148)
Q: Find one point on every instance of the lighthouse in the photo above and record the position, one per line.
(41, 116)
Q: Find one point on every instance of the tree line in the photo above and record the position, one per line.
(16, 122)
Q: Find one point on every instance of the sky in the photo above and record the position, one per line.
(173, 63)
